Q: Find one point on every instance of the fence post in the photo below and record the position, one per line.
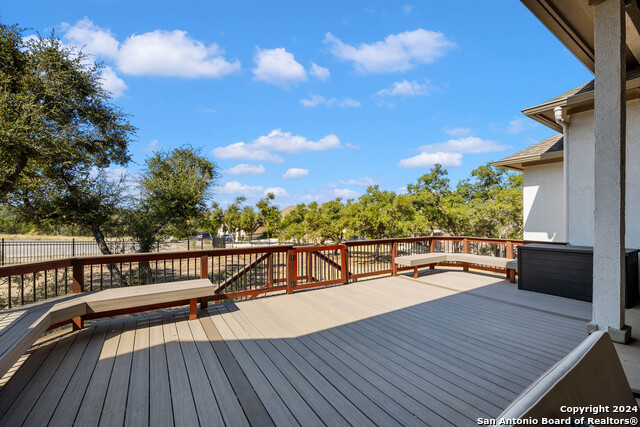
(344, 259)
(78, 287)
(73, 247)
(292, 270)
(465, 250)
(3, 251)
(204, 274)
(394, 254)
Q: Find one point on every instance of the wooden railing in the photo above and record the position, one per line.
(236, 273)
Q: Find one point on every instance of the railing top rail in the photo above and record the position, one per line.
(34, 267)
(383, 241)
(19, 269)
(300, 249)
(112, 259)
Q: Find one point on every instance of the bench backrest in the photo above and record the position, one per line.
(590, 375)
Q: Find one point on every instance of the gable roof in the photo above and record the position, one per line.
(577, 100)
(548, 151)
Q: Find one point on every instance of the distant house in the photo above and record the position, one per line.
(571, 153)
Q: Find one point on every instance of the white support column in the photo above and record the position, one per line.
(609, 171)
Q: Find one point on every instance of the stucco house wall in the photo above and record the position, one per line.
(543, 203)
(581, 142)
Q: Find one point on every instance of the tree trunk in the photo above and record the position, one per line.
(102, 245)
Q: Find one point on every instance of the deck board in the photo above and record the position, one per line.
(65, 414)
(160, 409)
(137, 412)
(90, 409)
(443, 349)
(184, 409)
(50, 397)
(204, 399)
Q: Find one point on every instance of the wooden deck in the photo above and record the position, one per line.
(443, 349)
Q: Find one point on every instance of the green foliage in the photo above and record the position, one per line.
(175, 189)
(232, 216)
(293, 227)
(488, 204)
(55, 117)
(58, 133)
(268, 214)
(248, 221)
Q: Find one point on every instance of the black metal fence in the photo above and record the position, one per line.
(25, 251)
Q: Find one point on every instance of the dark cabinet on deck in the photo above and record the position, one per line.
(567, 271)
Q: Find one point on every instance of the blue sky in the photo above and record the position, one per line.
(315, 100)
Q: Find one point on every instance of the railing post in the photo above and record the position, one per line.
(73, 247)
(309, 268)
(3, 251)
(344, 267)
(78, 287)
(394, 254)
(292, 270)
(270, 270)
(509, 254)
(465, 249)
(432, 245)
(204, 274)
(509, 250)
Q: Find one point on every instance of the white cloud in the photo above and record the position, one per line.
(245, 169)
(161, 53)
(91, 38)
(277, 191)
(458, 132)
(235, 187)
(359, 182)
(345, 193)
(468, 144)
(519, 125)
(240, 150)
(406, 9)
(426, 160)
(112, 83)
(362, 182)
(406, 88)
(285, 142)
(316, 100)
(172, 54)
(278, 141)
(397, 52)
(319, 72)
(278, 67)
(152, 146)
(295, 173)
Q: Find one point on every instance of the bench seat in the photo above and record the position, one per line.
(21, 327)
(431, 259)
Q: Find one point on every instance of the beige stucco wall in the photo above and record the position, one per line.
(581, 177)
(543, 203)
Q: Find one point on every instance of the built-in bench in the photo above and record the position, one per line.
(432, 259)
(21, 327)
(590, 375)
